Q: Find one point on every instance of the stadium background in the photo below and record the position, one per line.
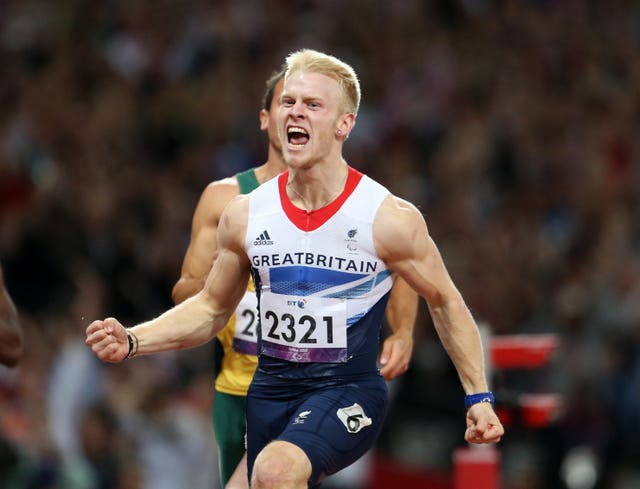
(513, 125)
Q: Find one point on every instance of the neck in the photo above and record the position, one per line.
(312, 190)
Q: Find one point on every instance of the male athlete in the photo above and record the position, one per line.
(337, 238)
(238, 340)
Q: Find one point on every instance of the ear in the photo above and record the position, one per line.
(345, 124)
(264, 120)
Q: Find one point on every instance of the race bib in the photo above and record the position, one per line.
(303, 329)
(245, 334)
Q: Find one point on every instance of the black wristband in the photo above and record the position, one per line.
(133, 344)
(472, 399)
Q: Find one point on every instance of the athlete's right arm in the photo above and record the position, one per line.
(198, 319)
(202, 245)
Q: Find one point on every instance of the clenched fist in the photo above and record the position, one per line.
(108, 340)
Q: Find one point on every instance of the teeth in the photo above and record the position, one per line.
(299, 130)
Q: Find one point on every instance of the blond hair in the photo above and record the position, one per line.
(309, 60)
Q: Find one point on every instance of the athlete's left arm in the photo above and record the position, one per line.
(403, 242)
(401, 316)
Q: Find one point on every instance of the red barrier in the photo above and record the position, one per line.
(539, 410)
(387, 473)
(521, 351)
(476, 467)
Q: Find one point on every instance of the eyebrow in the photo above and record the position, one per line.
(307, 98)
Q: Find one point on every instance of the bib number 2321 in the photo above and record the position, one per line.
(304, 329)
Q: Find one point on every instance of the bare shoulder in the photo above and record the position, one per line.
(233, 222)
(397, 214)
(218, 194)
(397, 227)
(239, 203)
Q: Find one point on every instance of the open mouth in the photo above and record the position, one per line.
(297, 136)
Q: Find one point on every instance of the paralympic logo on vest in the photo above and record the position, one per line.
(314, 259)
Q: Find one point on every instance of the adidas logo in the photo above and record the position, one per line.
(263, 239)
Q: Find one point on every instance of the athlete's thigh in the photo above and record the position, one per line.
(266, 419)
(337, 425)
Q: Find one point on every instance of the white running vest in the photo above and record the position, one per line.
(313, 285)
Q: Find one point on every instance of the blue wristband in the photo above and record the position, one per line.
(472, 399)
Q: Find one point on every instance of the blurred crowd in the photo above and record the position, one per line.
(514, 126)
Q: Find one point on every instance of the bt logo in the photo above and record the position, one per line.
(299, 302)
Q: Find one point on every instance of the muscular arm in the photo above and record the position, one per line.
(197, 319)
(401, 316)
(403, 242)
(405, 245)
(11, 340)
(203, 242)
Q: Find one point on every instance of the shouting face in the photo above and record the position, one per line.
(309, 118)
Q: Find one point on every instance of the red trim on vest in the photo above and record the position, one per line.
(309, 221)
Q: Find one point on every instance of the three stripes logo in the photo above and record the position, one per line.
(263, 239)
